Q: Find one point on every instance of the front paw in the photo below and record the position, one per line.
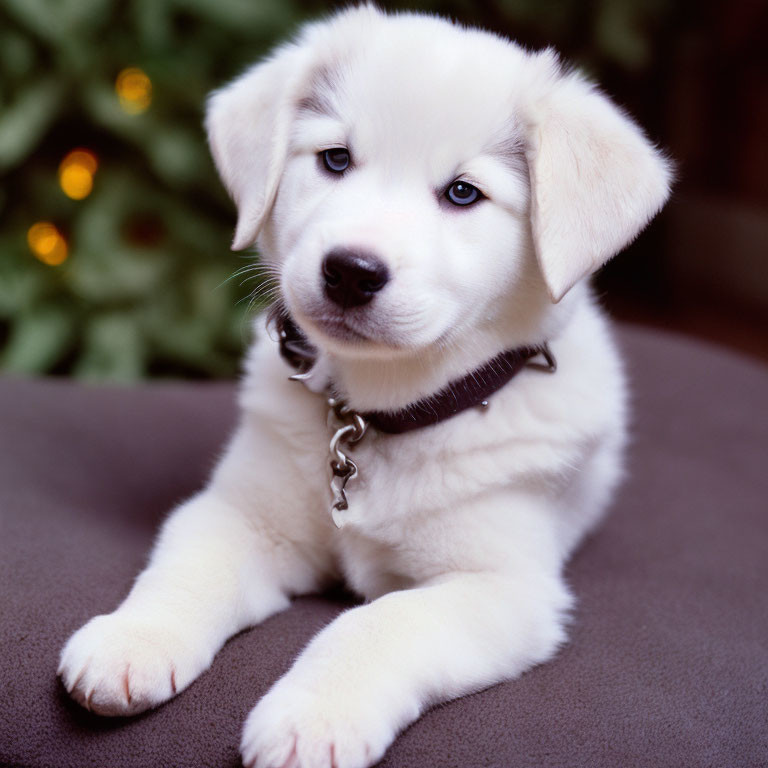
(117, 665)
(292, 727)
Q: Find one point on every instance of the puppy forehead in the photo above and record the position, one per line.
(420, 87)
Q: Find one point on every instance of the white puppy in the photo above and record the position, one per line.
(430, 197)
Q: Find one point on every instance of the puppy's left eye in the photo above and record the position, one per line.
(336, 160)
(463, 193)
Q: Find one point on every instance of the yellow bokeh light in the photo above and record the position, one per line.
(76, 173)
(134, 89)
(47, 243)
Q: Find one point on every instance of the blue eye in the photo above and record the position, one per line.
(462, 193)
(336, 160)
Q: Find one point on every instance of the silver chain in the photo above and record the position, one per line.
(349, 428)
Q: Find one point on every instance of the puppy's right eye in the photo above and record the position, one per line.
(336, 160)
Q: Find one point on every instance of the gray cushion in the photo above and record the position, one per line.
(667, 663)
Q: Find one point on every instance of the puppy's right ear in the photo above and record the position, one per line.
(596, 180)
(248, 124)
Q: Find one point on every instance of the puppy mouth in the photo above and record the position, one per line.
(355, 331)
(339, 328)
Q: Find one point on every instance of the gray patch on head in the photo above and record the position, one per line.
(510, 151)
(318, 99)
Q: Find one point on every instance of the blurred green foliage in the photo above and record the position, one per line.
(148, 288)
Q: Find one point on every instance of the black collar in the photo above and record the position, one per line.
(470, 391)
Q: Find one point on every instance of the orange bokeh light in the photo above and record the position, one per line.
(134, 89)
(76, 173)
(47, 243)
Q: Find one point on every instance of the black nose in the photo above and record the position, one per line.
(353, 276)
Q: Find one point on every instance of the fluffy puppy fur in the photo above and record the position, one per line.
(457, 534)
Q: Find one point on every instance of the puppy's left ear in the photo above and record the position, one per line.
(596, 180)
(248, 124)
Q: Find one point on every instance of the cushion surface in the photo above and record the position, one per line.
(667, 663)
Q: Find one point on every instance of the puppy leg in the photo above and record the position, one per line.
(376, 668)
(182, 608)
(219, 565)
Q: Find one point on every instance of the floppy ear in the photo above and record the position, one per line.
(248, 124)
(596, 180)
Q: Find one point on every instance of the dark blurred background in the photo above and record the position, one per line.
(114, 230)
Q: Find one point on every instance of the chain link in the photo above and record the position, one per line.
(349, 428)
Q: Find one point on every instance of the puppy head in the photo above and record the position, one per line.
(412, 180)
